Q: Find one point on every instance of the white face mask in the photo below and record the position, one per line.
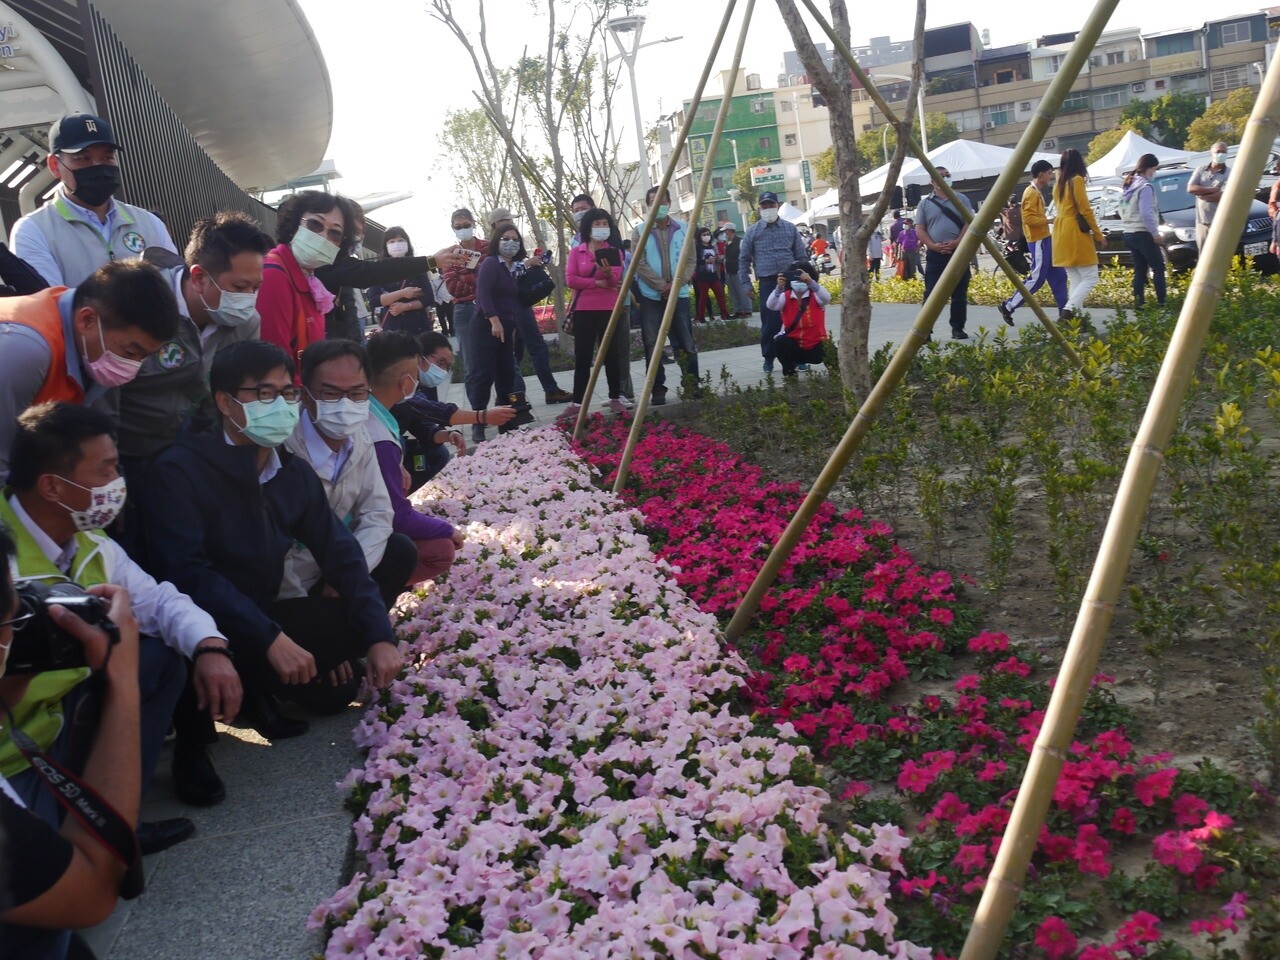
(397, 248)
(508, 248)
(1219, 158)
(341, 419)
(599, 233)
(769, 214)
(578, 215)
(105, 504)
(465, 233)
(312, 250)
(799, 287)
(234, 308)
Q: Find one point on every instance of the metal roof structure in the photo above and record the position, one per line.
(247, 77)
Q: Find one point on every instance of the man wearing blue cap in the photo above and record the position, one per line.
(82, 228)
(771, 246)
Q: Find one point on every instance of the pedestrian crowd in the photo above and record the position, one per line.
(208, 462)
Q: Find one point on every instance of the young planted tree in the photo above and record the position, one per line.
(480, 171)
(836, 86)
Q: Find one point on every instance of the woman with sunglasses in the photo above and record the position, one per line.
(312, 229)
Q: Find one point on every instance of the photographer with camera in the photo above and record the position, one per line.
(65, 487)
(53, 881)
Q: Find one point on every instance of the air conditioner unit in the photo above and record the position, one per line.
(989, 125)
(1139, 86)
(1050, 144)
(1024, 106)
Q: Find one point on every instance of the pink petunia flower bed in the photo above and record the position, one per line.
(564, 770)
(844, 643)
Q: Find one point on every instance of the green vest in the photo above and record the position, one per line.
(39, 713)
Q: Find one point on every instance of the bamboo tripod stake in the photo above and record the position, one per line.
(1116, 550)
(922, 328)
(678, 271)
(914, 147)
(677, 148)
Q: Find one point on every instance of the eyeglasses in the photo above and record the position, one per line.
(446, 366)
(316, 225)
(20, 620)
(329, 395)
(291, 394)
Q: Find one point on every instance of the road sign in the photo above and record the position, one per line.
(770, 174)
(806, 176)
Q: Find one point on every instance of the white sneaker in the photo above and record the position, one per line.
(620, 405)
(570, 412)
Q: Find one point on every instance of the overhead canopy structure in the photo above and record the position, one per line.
(963, 159)
(791, 213)
(246, 76)
(1122, 158)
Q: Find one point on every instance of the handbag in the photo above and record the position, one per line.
(534, 285)
(1083, 223)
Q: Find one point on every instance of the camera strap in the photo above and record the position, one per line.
(88, 806)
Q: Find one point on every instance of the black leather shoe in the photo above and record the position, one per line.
(195, 781)
(659, 397)
(261, 714)
(959, 335)
(163, 834)
(323, 699)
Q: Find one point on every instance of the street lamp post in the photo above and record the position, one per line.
(924, 140)
(630, 27)
(884, 140)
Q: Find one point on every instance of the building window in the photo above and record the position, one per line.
(997, 115)
(1115, 58)
(786, 105)
(717, 183)
(789, 139)
(1237, 32)
(1053, 64)
(1229, 78)
(757, 106)
(722, 216)
(707, 112)
(1076, 100)
(965, 119)
(1160, 84)
(1110, 97)
(1182, 43)
(766, 143)
(1191, 83)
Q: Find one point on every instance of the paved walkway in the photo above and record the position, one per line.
(279, 844)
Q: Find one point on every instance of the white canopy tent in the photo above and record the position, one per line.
(964, 159)
(791, 213)
(1121, 158)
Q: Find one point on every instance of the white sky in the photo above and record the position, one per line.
(395, 71)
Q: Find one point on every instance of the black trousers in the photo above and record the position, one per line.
(588, 332)
(316, 623)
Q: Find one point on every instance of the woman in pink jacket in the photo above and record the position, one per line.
(594, 273)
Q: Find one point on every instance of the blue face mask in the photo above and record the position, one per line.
(433, 376)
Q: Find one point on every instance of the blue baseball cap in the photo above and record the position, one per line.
(768, 197)
(76, 131)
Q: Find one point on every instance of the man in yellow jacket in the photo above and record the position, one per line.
(1035, 226)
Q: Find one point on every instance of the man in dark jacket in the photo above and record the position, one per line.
(737, 290)
(233, 506)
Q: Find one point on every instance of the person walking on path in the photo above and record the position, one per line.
(1035, 228)
(1076, 234)
(940, 228)
(875, 254)
(909, 249)
(1140, 216)
(770, 247)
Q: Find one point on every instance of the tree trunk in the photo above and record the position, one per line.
(855, 294)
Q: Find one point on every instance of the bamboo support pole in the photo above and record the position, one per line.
(677, 150)
(992, 247)
(922, 328)
(678, 271)
(1123, 526)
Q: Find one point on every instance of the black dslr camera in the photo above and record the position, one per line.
(39, 644)
(524, 412)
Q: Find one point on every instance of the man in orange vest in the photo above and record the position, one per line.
(77, 344)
